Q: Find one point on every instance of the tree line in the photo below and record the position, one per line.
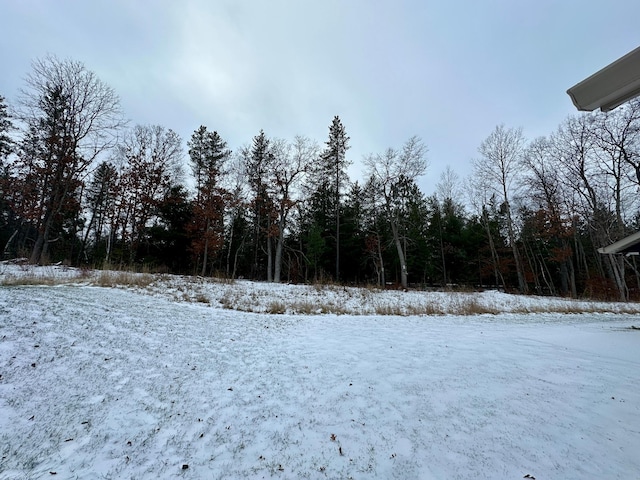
(80, 186)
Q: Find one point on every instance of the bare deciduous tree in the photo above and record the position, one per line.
(501, 154)
(544, 190)
(391, 172)
(480, 196)
(449, 186)
(72, 118)
(291, 163)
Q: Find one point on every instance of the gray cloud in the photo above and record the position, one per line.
(447, 71)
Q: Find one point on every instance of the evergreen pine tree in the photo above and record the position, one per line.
(208, 152)
(333, 167)
(258, 161)
(8, 230)
(6, 143)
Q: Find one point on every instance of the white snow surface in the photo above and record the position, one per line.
(137, 383)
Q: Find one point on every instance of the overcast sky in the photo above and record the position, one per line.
(447, 70)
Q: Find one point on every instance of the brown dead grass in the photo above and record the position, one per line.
(304, 308)
(276, 308)
(29, 280)
(471, 306)
(123, 279)
(201, 298)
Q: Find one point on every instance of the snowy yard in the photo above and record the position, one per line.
(119, 383)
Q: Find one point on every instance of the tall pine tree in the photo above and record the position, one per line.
(7, 229)
(333, 168)
(258, 161)
(208, 153)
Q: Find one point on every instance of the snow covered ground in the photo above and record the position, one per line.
(259, 297)
(172, 380)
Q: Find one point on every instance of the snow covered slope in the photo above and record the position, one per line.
(114, 383)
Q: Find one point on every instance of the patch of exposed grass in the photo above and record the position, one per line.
(334, 309)
(224, 280)
(389, 310)
(471, 306)
(276, 308)
(84, 273)
(123, 279)
(201, 298)
(424, 309)
(305, 308)
(229, 300)
(370, 287)
(464, 306)
(29, 275)
(570, 308)
(29, 279)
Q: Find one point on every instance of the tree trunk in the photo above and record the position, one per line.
(205, 258)
(5, 251)
(444, 262)
(572, 279)
(401, 255)
(522, 284)
(617, 271)
(531, 259)
(53, 206)
(40, 247)
(107, 257)
(282, 220)
(85, 237)
(383, 280)
(231, 231)
(492, 248)
(278, 258)
(256, 243)
(269, 258)
(337, 241)
(546, 276)
(235, 258)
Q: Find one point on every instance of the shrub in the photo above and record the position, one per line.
(276, 308)
(202, 298)
(305, 308)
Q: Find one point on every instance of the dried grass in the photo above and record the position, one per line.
(471, 306)
(29, 280)
(201, 298)
(334, 309)
(124, 279)
(305, 308)
(389, 310)
(428, 309)
(276, 308)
